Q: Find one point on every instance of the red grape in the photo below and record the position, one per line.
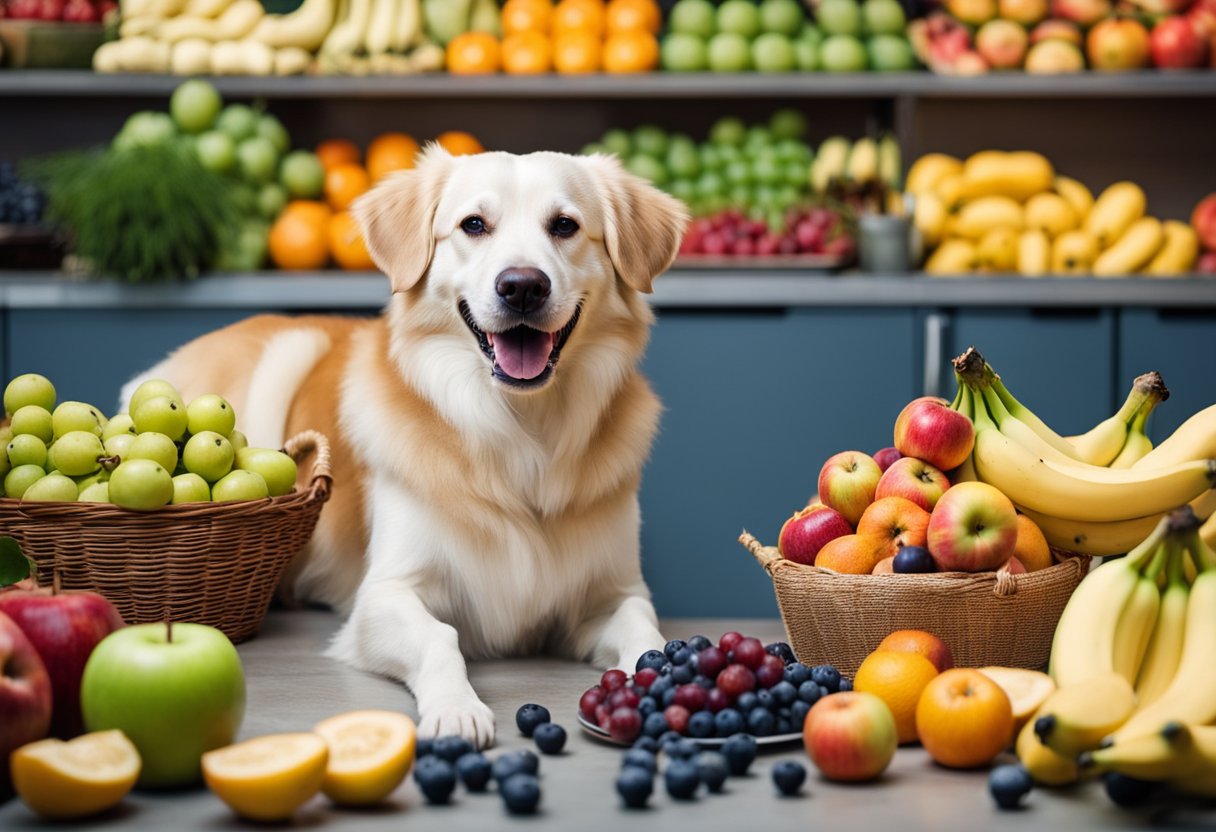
(625, 724)
(622, 698)
(770, 672)
(749, 652)
(716, 700)
(690, 696)
(613, 679)
(645, 677)
(710, 662)
(735, 680)
(714, 243)
(744, 247)
(728, 641)
(588, 701)
(602, 716)
(677, 718)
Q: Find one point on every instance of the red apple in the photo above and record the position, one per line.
(804, 534)
(1014, 567)
(81, 11)
(1054, 57)
(25, 692)
(64, 628)
(915, 480)
(1203, 220)
(1175, 45)
(24, 9)
(1084, 12)
(1207, 263)
(850, 736)
(974, 528)
(1203, 20)
(1064, 30)
(928, 429)
(1002, 43)
(887, 457)
(847, 482)
(1116, 44)
(50, 9)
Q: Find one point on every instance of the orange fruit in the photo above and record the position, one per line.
(886, 566)
(474, 53)
(576, 51)
(312, 210)
(527, 53)
(919, 641)
(852, 554)
(964, 719)
(459, 143)
(390, 152)
(526, 16)
(297, 241)
(337, 152)
(346, 243)
(1031, 549)
(633, 16)
(344, 184)
(626, 52)
(897, 679)
(587, 15)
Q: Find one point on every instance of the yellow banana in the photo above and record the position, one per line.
(1015, 429)
(1078, 196)
(1114, 211)
(1019, 175)
(928, 170)
(1178, 253)
(1045, 766)
(998, 250)
(1077, 717)
(1173, 751)
(953, 257)
(950, 190)
(1074, 253)
(1133, 251)
(1110, 538)
(1207, 532)
(930, 217)
(408, 28)
(975, 219)
(1034, 253)
(1165, 649)
(1136, 446)
(1104, 442)
(862, 167)
(1139, 617)
(830, 161)
(1194, 439)
(1051, 213)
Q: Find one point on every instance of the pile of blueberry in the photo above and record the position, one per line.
(21, 203)
(443, 761)
(697, 689)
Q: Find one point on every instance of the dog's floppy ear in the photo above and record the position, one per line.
(643, 226)
(397, 216)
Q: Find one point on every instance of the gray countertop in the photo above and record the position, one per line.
(291, 686)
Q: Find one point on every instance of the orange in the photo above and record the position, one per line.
(964, 719)
(919, 641)
(527, 53)
(474, 53)
(459, 143)
(346, 243)
(344, 184)
(526, 16)
(633, 16)
(390, 152)
(337, 152)
(313, 210)
(1031, 549)
(576, 51)
(587, 15)
(852, 554)
(886, 566)
(897, 679)
(297, 241)
(631, 52)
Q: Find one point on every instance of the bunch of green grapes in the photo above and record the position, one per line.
(162, 452)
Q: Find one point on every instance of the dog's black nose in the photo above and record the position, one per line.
(523, 290)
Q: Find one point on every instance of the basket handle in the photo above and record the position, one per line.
(304, 443)
(1006, 583)
(766, 556)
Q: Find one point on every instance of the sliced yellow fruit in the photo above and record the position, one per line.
(74, 779)
(269, 777)
(370, 753)
(1027, 690)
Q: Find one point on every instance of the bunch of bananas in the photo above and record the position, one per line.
(856, 163)
(1011, 212)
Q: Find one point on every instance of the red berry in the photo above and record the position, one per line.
(744, 247)
(691, 696)
(710, 662)
(728, 641)
(645, 677)
(625, 724)
(736, 680)
(769, 672)
(622, 698)
(749, 652)
(603, 716)
(589, 700)
(613, 679)
(717, 700)
(677, 718)
(714, 242)
(787, 245)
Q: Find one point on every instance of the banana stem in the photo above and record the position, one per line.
(1167, 552)
(1175, 570)
(1148, 547)
(970, 368)
(1201, 554)
(1152, 384)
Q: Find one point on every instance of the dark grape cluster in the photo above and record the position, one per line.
(21, 203)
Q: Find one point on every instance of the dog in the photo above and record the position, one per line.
(488, 429)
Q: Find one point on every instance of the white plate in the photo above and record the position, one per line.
(708, 742)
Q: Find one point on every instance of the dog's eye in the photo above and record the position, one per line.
(473, 225)
(563, 227)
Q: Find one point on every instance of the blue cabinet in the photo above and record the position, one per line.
(1178, 343)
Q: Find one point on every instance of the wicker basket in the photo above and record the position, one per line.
(987, 618)
(210, 563)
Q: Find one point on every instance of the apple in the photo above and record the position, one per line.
(1064, 30)
(1116, 44)
(25, 693)
(808, 530)
(1084, 12)
(897, 521)
(843, 53)
(81, 11)
(1014, 567)
(973, 528)
(1203, 220)
(1054, 57)
(1174, 44)
(974, 12)
(1203, 21)
(64, 628)
(915, 480)
(1003, 43)
(850, 736)
(847, 482)
(1206, 263)
(928, 429)
(887, 457)
(1026, 12)
(175, 690)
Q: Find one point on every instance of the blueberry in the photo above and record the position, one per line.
(797, 673)
(701, 725)
(789, 776)
(668, 737)
(451, 748)
(740, 753)
(682, 779)
(765, 699)
(669, 697)
(635, 786)
(521, 793)
(649, 744)
(529, 716)
(761, 723)
(550, 738)
(681, 656)
(651, 658)
(1009, 784)
(784, 725)
(798, 712)
(699, 643)
(436, 779)
(474, 771)
(682, 674)
(654, 725)
(728, 722)
(681, 749)
(670, 648)
(641, 759)
(660, 686)
(425, 748)
(824, 692)
(712, 769)
(1128, 791)
(784, 692)
(781, 650)
(647, 706)
(845, 685)
(694, 661)
(704, 681)
(747, 701)
(515, 762)
(826, 676)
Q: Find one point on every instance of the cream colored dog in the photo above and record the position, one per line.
(488, 430)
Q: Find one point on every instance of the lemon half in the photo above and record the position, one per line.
(269, 777)
(74, 779)
(370, 753)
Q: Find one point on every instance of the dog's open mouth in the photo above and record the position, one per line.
(521, 356)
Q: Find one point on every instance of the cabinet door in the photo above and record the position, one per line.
(755, 402)
(1177, 344)
(1059, 363)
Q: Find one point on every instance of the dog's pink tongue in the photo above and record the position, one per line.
(522, 352)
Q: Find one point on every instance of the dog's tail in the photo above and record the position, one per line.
(285, 363)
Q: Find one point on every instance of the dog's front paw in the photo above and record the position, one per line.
(468, 718)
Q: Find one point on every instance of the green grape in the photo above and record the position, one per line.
(120, 424)
(28, 389)
(190, 488)
(156, 447)
(238, 440)
(70, 416)
(161, 414)
(92, 479)
(98, 492)
(34, 420)
(21, 478)
(275, 467)
(77, 453)
(238, 486)
(26, 449)
(151, 389)
(210, 412)
(120, 445)
(54, 488)
(209, 455)
(140, 484)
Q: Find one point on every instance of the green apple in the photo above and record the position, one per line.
(646, 167)
(33, 420)
(272, 199)
(302, 174)
(53, 488)
(20, 478)
(29, 388)
(693, 17)
(238, 486)
(807, 55)
(239, 121)
(617, 141)
(190, 488)
(739, 17)
(275, 467)
(883, 17)
(154, 446)
(161, 414)
(150, 389)
(271, 129)
(683, 161)
(70, 416)
(843, 53)
(786, 125)
(684, 53)
(811, 33)
(26, 449)
(121, 423)
(141, 485)
(209, 455)
(772, 52)
(891, 53)
(145, 129)
(176, 691)
(210, 412)
(77, 453)
(120, 444)
(216, 151)
(238, 440)
(728, 131)
(651, 140)
(256, 159)
(839, 17)
(194, 106)
(730, 52)
(784, 17)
